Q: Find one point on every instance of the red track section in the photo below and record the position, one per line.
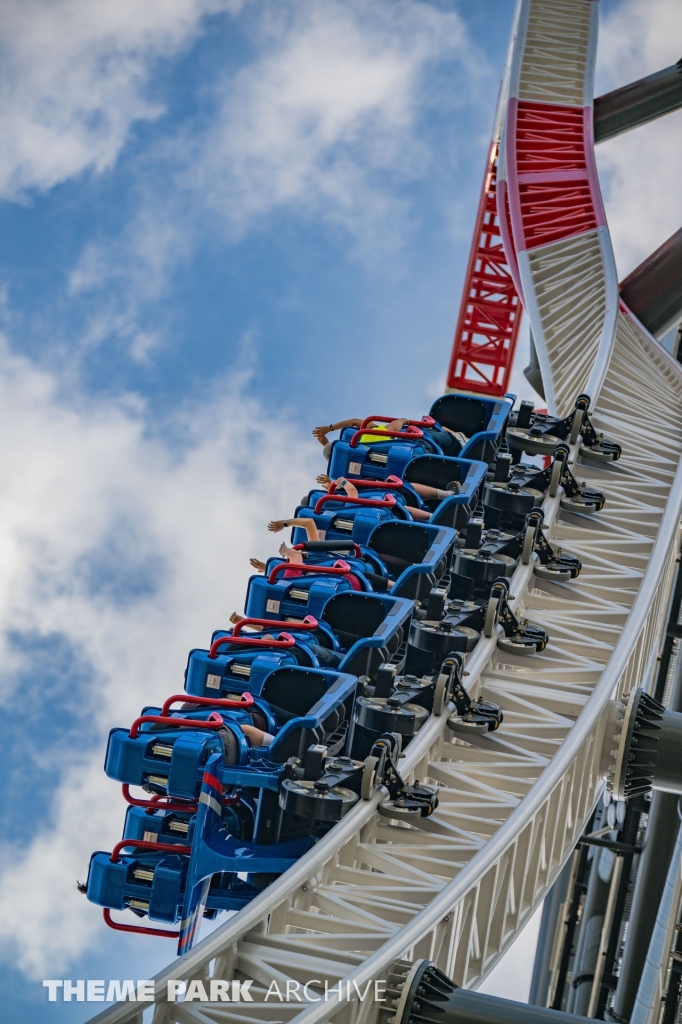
(550, 173)
(490, 313)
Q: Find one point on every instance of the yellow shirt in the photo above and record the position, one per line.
(369, 438)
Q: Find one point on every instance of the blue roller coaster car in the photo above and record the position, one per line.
(363, 625)
(440, 471)
(165, 750)
(303, 707)
(354, 629)
(410, 554)
(337, 516)
(299, 590)
(379, 453)
(237, 661)
(480, 422)
(234, 823)
(478, 426)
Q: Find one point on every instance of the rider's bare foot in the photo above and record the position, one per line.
(236, 618)
(294, 556)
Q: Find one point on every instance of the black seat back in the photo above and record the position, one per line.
(400, 544)
(461, 413)
(293, 692)
(433, 470)
(354, 616)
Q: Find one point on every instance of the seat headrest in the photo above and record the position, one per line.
(461, 413)
(358, 614)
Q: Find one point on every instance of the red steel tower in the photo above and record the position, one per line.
(490, 312)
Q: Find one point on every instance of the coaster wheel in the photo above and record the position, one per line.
(528, 545)
(369, 778)
(491, 617)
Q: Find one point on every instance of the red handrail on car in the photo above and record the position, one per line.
(214, 721)
(391, 483)
(138, 928)
(340, 568)
(245, 702)
(144, 844)
(309, 622)
(284, 640)
(425, 421)
(388, 501)
(410, 433)
(154, 803)
(159, 803)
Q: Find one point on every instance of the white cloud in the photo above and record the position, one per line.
(326, 121)
(327, 117)
(73, 78)
(640, 170)
(91, 500)
(637, 38)
(126, 274)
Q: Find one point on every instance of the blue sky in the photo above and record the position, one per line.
(221, 222)
(263, 220)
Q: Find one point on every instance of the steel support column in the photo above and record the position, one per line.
(653, 291)
(637, 103)
(551, 911)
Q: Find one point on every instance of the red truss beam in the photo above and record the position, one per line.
(555, 187)
(490, 313)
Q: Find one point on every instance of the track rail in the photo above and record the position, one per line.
(558, 231)
(459, 887)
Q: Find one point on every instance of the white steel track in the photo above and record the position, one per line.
(565, 261)
(459, 887)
